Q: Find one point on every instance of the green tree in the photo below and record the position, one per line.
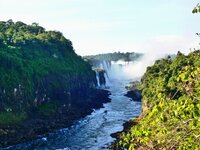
(196, 9)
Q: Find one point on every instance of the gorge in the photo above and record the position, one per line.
(93, 132)
(46, 86)
(51, 98)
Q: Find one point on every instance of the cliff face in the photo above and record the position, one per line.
(41, 77)
(171, 110)
(37, 66)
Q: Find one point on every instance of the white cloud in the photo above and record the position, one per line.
(171, 44)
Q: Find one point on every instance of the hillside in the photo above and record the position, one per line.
(171, 107)
(43, 82)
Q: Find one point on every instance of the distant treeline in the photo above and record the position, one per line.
(116, 56)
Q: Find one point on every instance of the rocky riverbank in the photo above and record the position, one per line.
(133, 92)
(37, 125)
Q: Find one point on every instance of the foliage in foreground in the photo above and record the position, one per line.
(171, 107)
(196, 9)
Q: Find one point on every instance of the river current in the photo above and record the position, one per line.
(93, 131)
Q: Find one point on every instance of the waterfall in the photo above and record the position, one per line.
(106, 71)
(97, 77)
(100, 77)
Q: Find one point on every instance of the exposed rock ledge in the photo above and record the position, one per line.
(133, 92)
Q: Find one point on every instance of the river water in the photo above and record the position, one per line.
(93, 131)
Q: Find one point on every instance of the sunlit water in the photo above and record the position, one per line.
(93, 131)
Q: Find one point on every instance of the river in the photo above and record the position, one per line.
(93, 131)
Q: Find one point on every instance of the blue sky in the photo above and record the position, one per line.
(100, 26)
